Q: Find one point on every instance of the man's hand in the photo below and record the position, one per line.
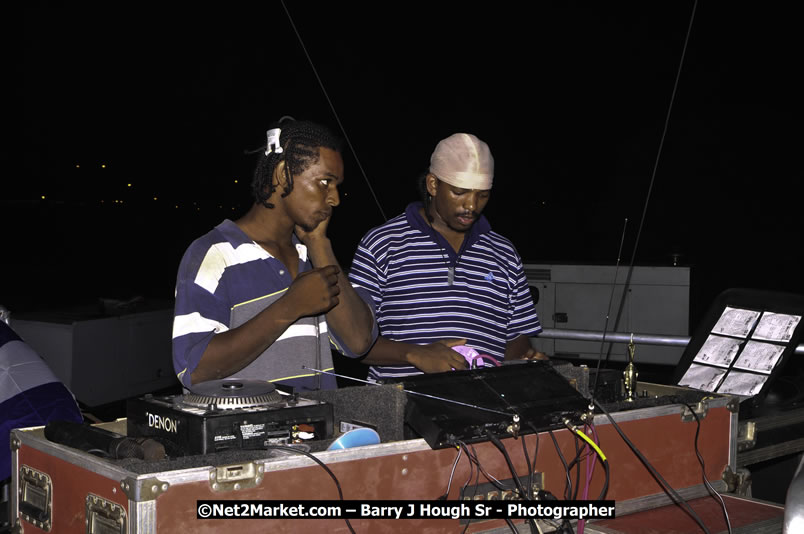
(520, 348)
(311, 293)
(533, 354)
(437, 357)
(319, 232)
(315, 291)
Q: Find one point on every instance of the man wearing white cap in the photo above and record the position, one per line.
(440, 277)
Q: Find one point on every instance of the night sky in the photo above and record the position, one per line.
(571, 97)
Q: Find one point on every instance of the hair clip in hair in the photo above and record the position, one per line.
(273, 145)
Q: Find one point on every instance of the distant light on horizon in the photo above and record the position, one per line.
(155, 198)
(43, 197)
(77, 166)
(128, 185)
(103, 165)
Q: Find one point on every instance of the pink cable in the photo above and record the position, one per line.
(590, 470)
(485, 357)
(471, 356)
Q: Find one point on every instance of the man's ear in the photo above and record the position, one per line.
(278, 179)
(431, 181)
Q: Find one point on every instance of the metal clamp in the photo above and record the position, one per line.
(35, 498)
(236, 477)
(104, 516)
(737, 482)
(746, 435)
(701, 409)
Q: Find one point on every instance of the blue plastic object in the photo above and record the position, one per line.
(355, 438)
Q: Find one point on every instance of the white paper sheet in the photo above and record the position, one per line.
(718, 350)
(702, 377)
(738, 383)
(761, 357)
(735, 322)
(776, 327)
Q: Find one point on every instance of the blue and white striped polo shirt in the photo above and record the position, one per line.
(404, 264)
(225, 279)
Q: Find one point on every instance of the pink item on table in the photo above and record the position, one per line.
(474, 358)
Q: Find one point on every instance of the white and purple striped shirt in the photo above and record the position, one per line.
(404, 265)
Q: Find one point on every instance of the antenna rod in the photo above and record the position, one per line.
(653, 174)
(608, 309)
(332, 107)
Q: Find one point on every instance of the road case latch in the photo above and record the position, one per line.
(746, 436)
(36, 498)
(738, 482)
(701, 408)
(104, 516)
(236, 477)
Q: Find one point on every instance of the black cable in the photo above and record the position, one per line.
(606, 467)
(678, 499)
(322, 464)
(522, 492)
(605, 482)
(530, 468)
(451, 475)
(708, 485)
(536, 449)
(470, 453)
(568, 489)
(471, 473)
(577, 460)
(605, 463)
(535, 455)
(473, 458)
(562, 527)
(497, 443)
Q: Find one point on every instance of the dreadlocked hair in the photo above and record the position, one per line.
(300, 141)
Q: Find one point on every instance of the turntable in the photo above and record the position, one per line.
(228, 414)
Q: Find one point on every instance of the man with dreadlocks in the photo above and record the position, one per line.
(263, 297)
(441, 278)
